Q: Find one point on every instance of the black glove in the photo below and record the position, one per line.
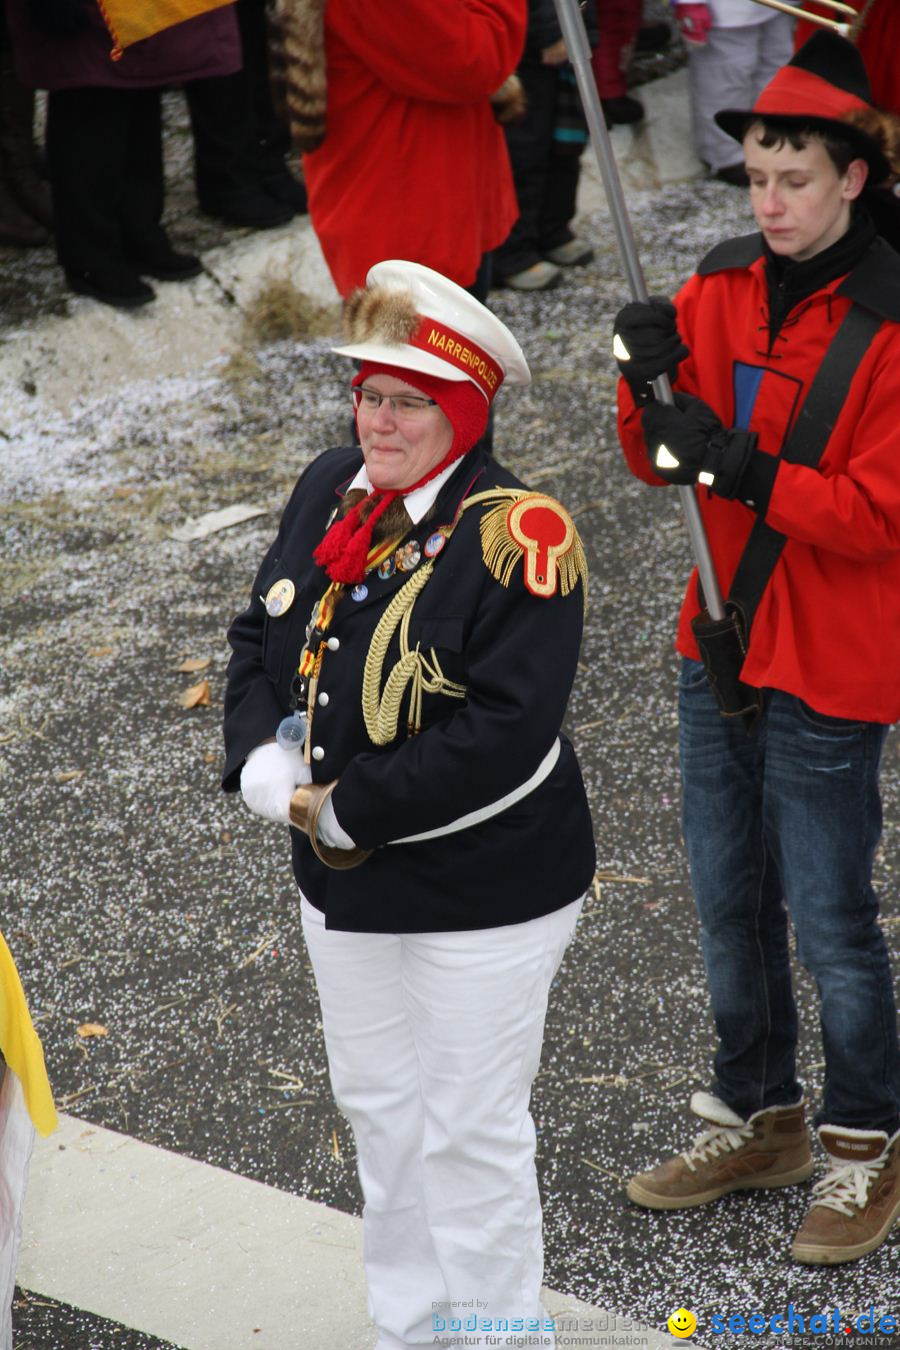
(649, 334)
(697, 442)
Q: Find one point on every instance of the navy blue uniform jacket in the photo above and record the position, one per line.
(516, 654)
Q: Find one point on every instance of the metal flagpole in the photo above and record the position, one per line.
(575, 38)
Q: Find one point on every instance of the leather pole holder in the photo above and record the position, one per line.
(723, 647)
(305, 809)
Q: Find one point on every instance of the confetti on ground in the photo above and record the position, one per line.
(109, 876)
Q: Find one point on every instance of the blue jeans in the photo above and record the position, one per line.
(787, 822)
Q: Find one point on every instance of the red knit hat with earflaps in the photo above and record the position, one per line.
(345, 547)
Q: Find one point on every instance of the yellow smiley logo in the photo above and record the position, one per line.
(682, 1323)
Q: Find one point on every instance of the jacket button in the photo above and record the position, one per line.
(323, 700)
(318, 752)
(333, 643)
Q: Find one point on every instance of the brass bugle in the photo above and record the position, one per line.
(838, 5)
(797, 13)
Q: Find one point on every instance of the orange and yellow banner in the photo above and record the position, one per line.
(130, 21)
(21, 1047)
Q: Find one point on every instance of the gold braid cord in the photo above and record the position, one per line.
(382, 711)
(520, 525)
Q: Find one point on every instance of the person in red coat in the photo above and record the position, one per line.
(413, 163)
(785, 823)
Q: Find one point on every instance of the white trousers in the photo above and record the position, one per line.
(434, 1040)
(729, 72)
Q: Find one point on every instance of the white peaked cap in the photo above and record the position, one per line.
(411, 317)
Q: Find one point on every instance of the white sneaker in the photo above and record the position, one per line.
(573, 254)
(541, 276)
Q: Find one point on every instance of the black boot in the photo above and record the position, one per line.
(152, 255)
(170, 266)
(116, 286)
(622, 111)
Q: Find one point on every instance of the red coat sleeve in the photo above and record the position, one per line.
(446, 51)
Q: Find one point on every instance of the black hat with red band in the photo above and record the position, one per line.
(823, 84)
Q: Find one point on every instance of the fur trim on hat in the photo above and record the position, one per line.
(380, 314)
(297, 66)
(884, 129)
(509, 102)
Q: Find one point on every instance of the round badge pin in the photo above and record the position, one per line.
(359, 592)
(280, 597)
(409, 556)
(387, 568)
(433, 545)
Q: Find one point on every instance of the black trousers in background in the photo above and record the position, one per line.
(105, 159)
(226, 153)
(238, 139)
(271, 132)
(546, 177)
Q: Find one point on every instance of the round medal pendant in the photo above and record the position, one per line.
(387, 568)
(433, 545)
(409, 556)
(359, 592)
(280, 597)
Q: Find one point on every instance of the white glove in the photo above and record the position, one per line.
(268, 780)
(328, 830)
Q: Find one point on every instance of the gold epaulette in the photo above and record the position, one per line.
(518, 524)
(536, 529)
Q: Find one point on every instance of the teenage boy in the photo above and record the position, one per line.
(784, 822)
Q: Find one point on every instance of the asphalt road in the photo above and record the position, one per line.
(135, 895)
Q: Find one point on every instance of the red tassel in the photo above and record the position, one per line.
(337, 537)
(344, 550)
(350, 567)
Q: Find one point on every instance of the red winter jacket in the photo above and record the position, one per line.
(828, 626)
(413, 164)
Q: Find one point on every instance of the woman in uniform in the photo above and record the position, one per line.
(415, 628)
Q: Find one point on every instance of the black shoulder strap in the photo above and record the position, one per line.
(732, 253)
(875, 280)
(805, 445)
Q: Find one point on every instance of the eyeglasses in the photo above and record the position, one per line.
(406, 406)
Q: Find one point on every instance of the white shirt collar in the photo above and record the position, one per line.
(417, 503)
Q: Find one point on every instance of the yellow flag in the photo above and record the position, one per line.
(21, 1046)
(131, 20)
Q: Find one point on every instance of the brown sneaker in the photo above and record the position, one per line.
(857, 1203)
(770, 1148)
